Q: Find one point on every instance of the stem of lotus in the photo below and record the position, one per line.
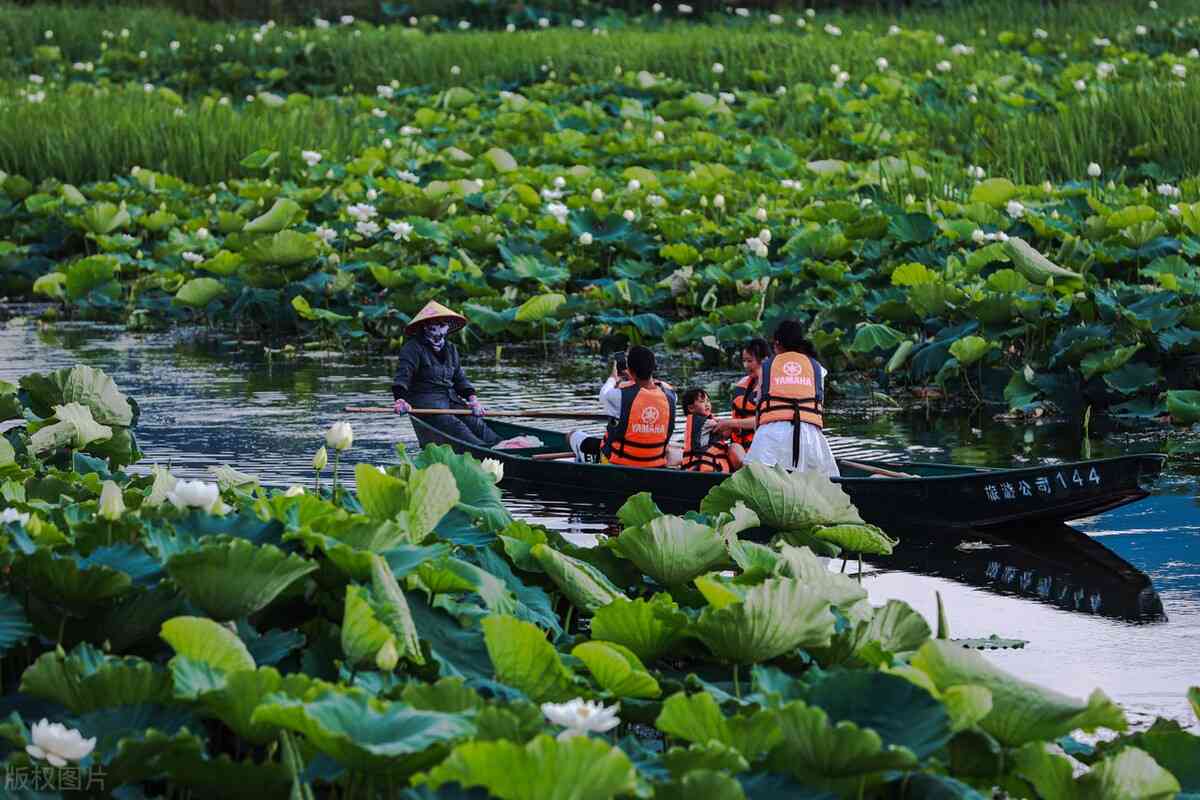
(337, 457)
(567, 622)
(62, 624)
(860, 567)
(737, 686)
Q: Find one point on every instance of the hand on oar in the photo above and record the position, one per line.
(400, 407)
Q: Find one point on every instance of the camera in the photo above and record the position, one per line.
(622, 363)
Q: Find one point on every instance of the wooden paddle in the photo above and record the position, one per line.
(551, 456)
(466, 412)
(887, 473)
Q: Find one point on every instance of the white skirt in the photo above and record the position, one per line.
(773, 445)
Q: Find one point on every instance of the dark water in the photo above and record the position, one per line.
(208, 401)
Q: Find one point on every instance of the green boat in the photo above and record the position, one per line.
(940, 496)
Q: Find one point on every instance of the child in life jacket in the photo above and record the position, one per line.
(705, 450)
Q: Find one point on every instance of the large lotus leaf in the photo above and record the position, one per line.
(94, 274)
(284, 249)
(199, 292)
(1072, 344)
(524, 659)
(479, 498)
(709, 784)
(363, 633)
(783, 500)
(1184, 405)
(638, 510)
(586, 587)
(102, 218)
(756, 561)
(49, 438)
(840, 591)
(458, 651)
(679, 761)
(270, 647)
(897, 628)
(418, 503)
(1194, 699)
(867, 539)
(617, 669)
(152, 754)
(87, 429)
(88, 679)
(235, 578)
(1035, 266)
(392, 607)
(902, 713)
(539, 307)
(840, 757)
(544, 769)
(284, 212)
(872, 337)
(649, 628)
(1102, 362)
(66, 582)
(1175, 749)
(233, 698)
(776, 617)
(1132, 378)
(1129, 775)
(208, 642)
(698, 719)
(1021, 712)
(96, 390)
(672, 550)
(448, 694)
(455, 575)
(970, 349)
(364, 734)
(14, 626)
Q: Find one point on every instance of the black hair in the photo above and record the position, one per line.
(789, 335)
(757, 347)
(691, 395)
(641, 362)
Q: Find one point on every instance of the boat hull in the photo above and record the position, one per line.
(942, 496)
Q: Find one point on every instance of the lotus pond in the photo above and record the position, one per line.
(275, 700)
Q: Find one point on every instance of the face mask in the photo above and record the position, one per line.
(435, 334)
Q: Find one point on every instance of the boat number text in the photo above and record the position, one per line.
(1042, 485)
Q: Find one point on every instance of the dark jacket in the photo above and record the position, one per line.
(428, 376)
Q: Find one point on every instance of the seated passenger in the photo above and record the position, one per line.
(641, 418)
(704, 450)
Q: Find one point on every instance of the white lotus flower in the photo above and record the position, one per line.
(456, 70)
(543, 22)
(1105, 70)
(961, 49)
(597, 195)
(656, 200)
(659, 136)
(195, 494)
(190, 257)
(585, 238)
(294, 491)
(112, 503)
(1141, 30)
(1167, 190)
(1015, 209)
(629, 215)
(719, 201)
(741, 11)
(1080, 85)
(367, 228)
(346, 19)
(311, 157)
(833, 30)
(761, 215)
(1093, 170)
(400, 230)
(409, 130)
(1179, 71)
(881, 63)
(944, 66)
(494, 468)
(320, 459)
(340, 436)
(1174, 210)
(764, 236)
(728, 98)
(326, 234)
(978, 236)
(320, 24)
(559, 212)
(1038, 33)
(551, 194)
(202, 233)
(581, 717)
(684, 8)
(11, 515)
(893, 30)
(633, 185)
(718, 68)
(775, 19)
(1101, 41)
(58, 744)
(361, 211)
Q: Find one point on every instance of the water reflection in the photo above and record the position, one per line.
(210, 400)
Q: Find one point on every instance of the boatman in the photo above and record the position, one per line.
(641, 418)
(791, 406)
(431, 376)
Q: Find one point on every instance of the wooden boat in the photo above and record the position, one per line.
(942, 496)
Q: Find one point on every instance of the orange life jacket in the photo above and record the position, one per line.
(745, 405)
(792, 392)
(696, 458)
(639, 437)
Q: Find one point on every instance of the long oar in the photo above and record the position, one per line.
(466, 412)
(887, 473)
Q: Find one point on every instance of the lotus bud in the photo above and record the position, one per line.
(494, 468)
(320, 459)
(112, 504)
(597, 195)
(629, 214)
(339, 436)
(761, 215)
(719, 201)
(1093, 170)
(388, 656)
(294, 491)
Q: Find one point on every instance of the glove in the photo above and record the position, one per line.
(401, 407)
(476, 407)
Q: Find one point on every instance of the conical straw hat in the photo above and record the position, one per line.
(434, 310)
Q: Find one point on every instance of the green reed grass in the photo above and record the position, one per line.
(80, 139)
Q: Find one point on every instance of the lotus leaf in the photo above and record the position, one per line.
(544, 769)
(94, 274)
(14, 627)
(455, 575)
(539, 307)
(52, 285)
(586, 587)
(1184, 405)
(897, 628)
(479, 497)
(672, 550)
(872, 337)
(199, 292)
(88, 679)
(698, 719)
(970, 349)
(282, 213)
(712, 755)
(451, 695)
(857, 538)
(1021, 712)
(1102, 362)
(776, 617)
(417, 504)
(283, 249)
(702, 782)
(1035, 266)
(236, 578)
(617, 669)
(101, 218)
(501, 160)
(783, 500)
(649, 628)
(1172, 747)
(154, 755)
(365, 734)
(1132, 378)
(840, 591)
(638, 510)
(394, 610)
(524, 659)
(1129, 775)
(207, 642)
(70, 583)
(363, 634)
(995, 192)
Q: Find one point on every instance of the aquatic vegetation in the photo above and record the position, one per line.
(1007, 214)
(410, 635)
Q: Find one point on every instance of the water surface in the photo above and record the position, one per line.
(207, 400)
